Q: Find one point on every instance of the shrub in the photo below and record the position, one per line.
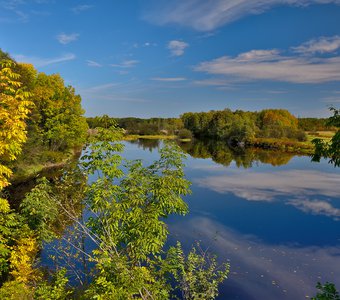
(185, 134)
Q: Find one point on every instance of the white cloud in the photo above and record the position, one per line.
(169, 79)
(331, 99)
(102, 87)
(19, 11)
(264, 270)
(212, 82)
(271, 65)
(92, 63)
(319, 45)
(11, 4)
(67, 38)
(177, 47)
(126, 64)
(42, 62)
(143, 45)
(269, 186)
(204, 15)
(316, 207)
(80, 8)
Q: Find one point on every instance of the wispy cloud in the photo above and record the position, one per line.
(92, 63)
(42, 62)
(204, 15)
(177, 47)
(270, 186)
(102, 87)
(331, 99)
(80, 8)
(214, 82)
(126, 64)
(297, 185)
(319, 45)
(64, 38)
(316, 207)
(272, 65)
(145, 44)
(18, 10)
(169, 79)
(11, 4)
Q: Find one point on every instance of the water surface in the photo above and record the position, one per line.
(274, 216)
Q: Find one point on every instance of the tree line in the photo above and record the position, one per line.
(139, 126)
(224, 125)
(242, 126)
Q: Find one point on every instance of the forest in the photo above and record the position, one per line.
(238, 126)
(42, 124)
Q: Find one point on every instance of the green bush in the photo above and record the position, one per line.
(185, 134)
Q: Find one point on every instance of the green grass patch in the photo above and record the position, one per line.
(148, 137)
(324, 135)
(285, 145)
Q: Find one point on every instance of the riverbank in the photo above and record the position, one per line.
(23, 170)
(290, 146)
(132, 137)
(283, 145)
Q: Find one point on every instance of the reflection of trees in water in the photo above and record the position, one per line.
(65, 202)
(69, 193)
(67, 185)
(221, 153)
(146, 144)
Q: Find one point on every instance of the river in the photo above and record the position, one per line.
(274, 216)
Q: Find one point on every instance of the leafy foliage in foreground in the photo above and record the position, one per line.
(329, 149)
(326, 292)
(129, 228)
(128, 205)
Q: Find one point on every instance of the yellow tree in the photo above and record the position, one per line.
(14, 108)
(17, 245)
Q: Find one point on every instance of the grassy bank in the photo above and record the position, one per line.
(283, 145)
(25, 168)
(325, 135)
(292, 146)
(148, 137)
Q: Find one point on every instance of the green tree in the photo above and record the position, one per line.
(197, 275)
(128, 205)
(329, 149)
(58, 113)
(326, 292)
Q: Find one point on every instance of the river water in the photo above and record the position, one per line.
(274, 216)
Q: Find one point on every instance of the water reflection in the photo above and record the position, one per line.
(278, 226)
(146, 144)
(221, 153)
(300, 188)
(262, 270)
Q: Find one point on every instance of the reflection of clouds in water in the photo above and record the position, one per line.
(294, 184)
(271, 185)
(207, 167)
(262, 270)
(316, 207)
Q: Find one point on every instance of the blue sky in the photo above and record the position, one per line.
(162, 58)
